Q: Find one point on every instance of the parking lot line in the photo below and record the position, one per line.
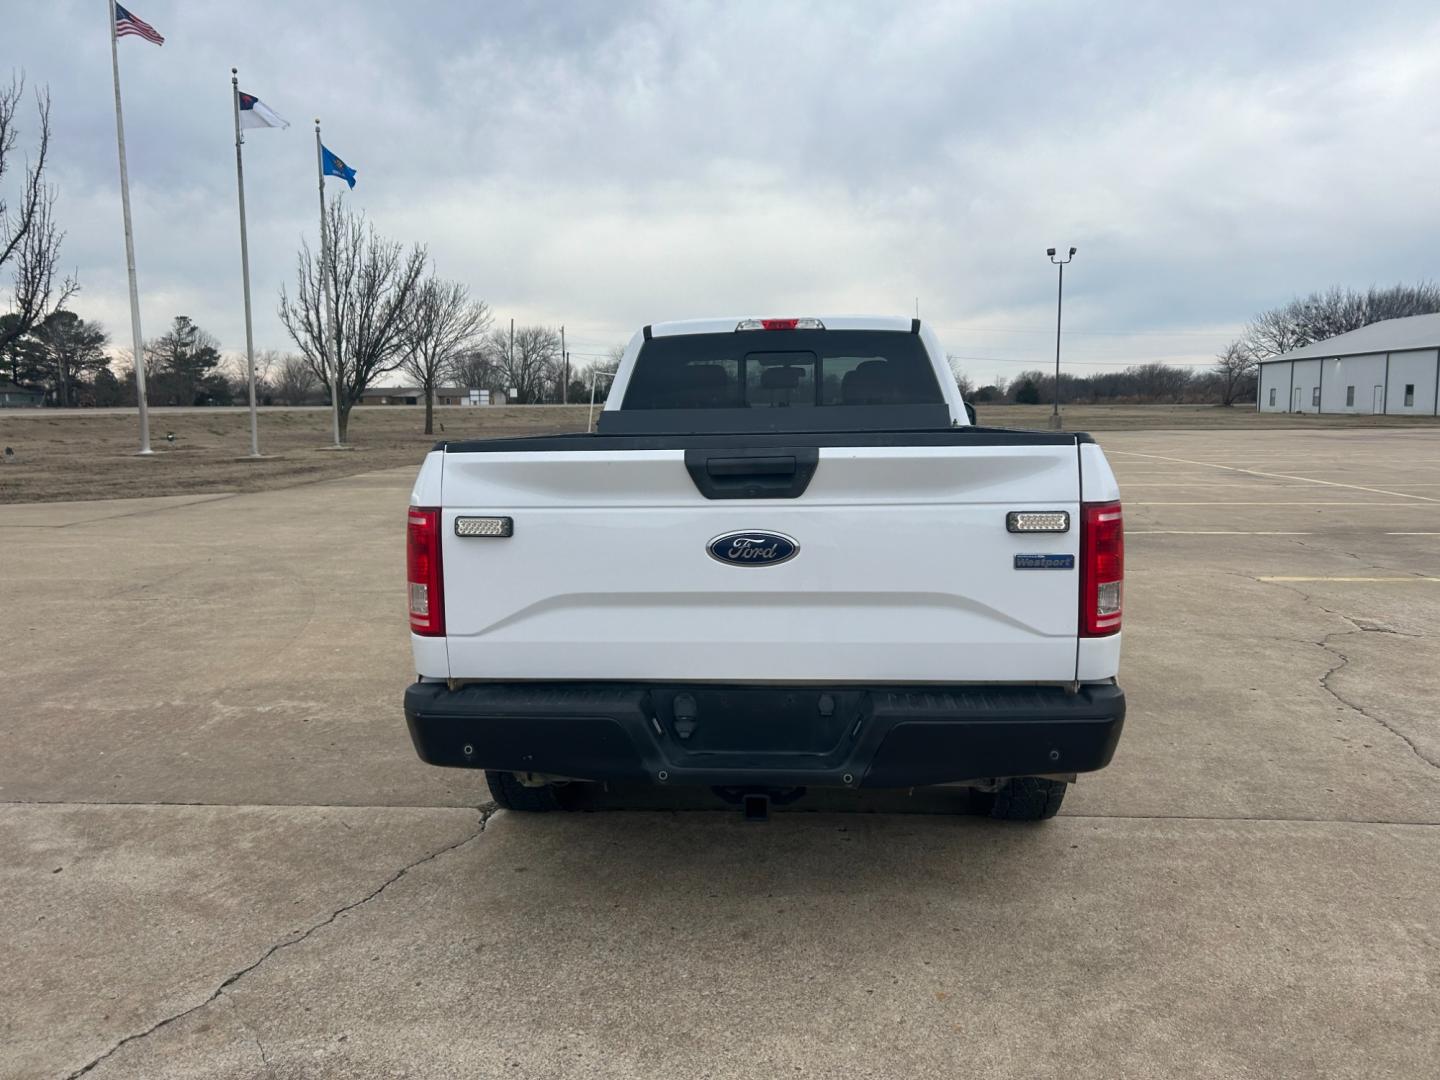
(1212, 532)
(1276, 476)
(1384, 580)
(1266, 503)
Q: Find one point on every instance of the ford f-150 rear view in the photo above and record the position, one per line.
(786, 558)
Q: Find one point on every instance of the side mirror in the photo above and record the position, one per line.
(970, 412)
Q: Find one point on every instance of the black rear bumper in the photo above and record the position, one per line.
(841, 736)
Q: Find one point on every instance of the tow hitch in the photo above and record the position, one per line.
(755, 802)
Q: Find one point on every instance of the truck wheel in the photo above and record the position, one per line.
(511, 794)
(1024, 798)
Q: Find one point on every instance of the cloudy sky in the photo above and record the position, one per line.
(608, 164)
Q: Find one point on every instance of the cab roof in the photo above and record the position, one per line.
(832, 322)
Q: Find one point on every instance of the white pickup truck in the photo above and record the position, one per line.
(786, 558)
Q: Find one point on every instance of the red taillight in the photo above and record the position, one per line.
(779, 324)
(422, 561)
(1102, 568)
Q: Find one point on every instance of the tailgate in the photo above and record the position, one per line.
(905, 571)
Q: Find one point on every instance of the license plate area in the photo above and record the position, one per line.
(785, 722)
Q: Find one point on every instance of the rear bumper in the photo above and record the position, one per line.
(842, 736)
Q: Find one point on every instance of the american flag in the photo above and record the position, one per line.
(126, 23)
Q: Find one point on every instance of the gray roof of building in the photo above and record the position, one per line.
(1389, 335)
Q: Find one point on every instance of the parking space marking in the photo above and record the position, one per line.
(1412, 534)
(1266, 503)
(1211, 532)
(1384, 581)
(1278, 476)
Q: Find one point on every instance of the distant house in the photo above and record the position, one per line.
(13, 396)
(444, 395)
(391, 395)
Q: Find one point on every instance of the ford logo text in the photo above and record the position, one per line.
(752, 548)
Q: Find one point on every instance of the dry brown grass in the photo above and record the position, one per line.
(64, 455)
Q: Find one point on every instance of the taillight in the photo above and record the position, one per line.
(1102, 568)
(422, 561)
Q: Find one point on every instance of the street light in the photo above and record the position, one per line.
(1059, 301)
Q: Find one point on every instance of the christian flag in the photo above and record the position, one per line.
(254, 113)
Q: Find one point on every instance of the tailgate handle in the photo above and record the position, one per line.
(760, 466)
(781, 473)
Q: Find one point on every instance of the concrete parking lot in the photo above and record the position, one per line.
(220, 858)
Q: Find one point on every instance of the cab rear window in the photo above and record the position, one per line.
(782, 369)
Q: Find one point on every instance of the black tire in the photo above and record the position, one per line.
(509, 793)
(1024, 798)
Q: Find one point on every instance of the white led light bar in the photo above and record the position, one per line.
(1037, 521)
(484, 526)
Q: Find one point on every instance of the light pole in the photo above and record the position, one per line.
(1059, 302)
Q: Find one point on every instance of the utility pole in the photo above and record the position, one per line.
(511, 372)
(564, 369)
(1059, 302)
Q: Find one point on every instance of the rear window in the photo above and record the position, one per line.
(782, 369)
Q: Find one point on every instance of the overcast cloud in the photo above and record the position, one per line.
(610, 164)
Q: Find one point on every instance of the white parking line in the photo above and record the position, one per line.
(1278, 476)
(1378, 580)
(1267, 503)
(1210, 532)
(1412, 534)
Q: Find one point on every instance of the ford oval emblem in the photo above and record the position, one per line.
(752, 548)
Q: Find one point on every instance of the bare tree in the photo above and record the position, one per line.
(478, 368)
(1235, 369)
(294, 380)
(1157, 382)
(444, 324)
(1321, 315)
(237, 366)
(962, 381)
(373, 283)
(29, 239)
(532, 367)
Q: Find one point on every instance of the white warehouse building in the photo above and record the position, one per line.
(1390, 367)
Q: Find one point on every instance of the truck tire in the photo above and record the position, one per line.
(509, 793)
(1024, 798)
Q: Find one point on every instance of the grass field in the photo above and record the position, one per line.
(89, 454)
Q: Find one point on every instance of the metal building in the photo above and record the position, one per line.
(1390, 367)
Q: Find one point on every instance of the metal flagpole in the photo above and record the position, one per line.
(564, 370)
(329, 300)
(139, 342)
(245, 265)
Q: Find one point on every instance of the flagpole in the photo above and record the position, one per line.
(137, 339)
(245, 265)
(329, 300)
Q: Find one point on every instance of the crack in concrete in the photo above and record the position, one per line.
(285, 943)
(1357, 626)
(1344, 662)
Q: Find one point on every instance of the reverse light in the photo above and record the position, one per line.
(422, 563)
(1102, 568)
(780, 324)
(1037, 521)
